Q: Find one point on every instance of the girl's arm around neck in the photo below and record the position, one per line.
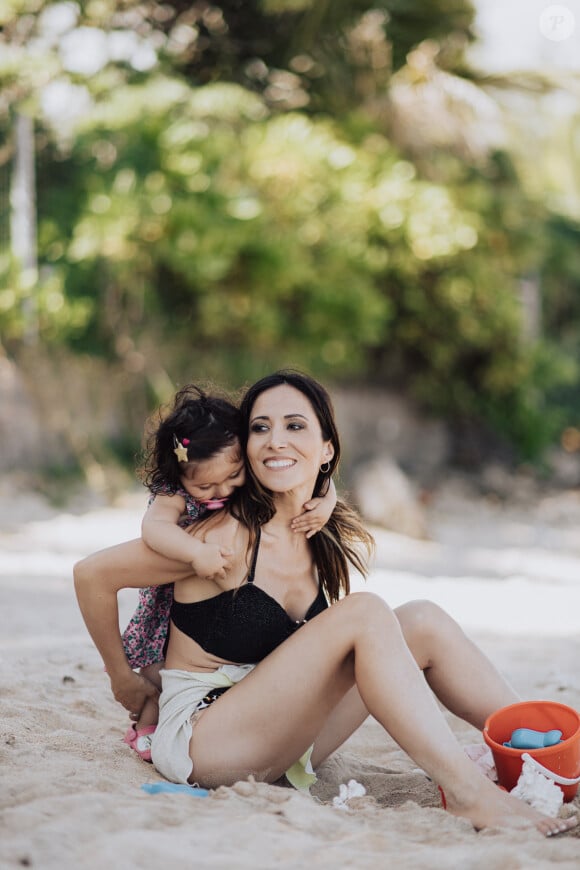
(161, 532)
(316, 514)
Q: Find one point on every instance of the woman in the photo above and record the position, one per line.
(336, 663)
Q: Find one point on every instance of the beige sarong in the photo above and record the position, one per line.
(181, 693)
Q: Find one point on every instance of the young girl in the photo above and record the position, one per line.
(193, 464)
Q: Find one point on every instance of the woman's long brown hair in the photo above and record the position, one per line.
(344, 540)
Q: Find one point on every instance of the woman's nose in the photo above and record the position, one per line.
(278, 437)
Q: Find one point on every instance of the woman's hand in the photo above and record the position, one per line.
(132, 691)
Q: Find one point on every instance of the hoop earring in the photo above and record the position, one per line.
(325, 470)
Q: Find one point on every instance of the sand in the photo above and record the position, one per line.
(71, 793)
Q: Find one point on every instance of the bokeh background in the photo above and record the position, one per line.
(385, 194)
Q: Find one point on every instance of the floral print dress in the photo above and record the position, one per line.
(145, 637)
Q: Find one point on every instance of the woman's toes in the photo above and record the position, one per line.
(559, 826)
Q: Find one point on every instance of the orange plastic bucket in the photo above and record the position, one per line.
(562, 759)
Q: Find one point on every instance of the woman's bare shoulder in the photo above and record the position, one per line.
(222, 528)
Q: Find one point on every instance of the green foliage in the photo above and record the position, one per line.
(241, 207)
(248, 224)
(560, 272)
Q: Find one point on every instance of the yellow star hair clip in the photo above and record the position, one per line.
(180, 449)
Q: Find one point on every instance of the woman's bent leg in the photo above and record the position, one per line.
(348, 715)
(267, 721)
(459, 673)
(462, 677)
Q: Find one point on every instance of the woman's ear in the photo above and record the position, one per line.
(328, 451)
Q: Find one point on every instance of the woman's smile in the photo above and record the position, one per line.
(279, 464)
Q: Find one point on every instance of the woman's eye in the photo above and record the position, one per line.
(295, 426)
(258, 427)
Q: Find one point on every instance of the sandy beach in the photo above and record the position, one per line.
(71, 789)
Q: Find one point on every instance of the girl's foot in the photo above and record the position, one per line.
(139, 739)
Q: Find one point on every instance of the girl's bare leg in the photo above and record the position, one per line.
(149, 715)
(153, 673)
(268, 720)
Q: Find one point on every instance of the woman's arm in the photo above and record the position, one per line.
(98, 579)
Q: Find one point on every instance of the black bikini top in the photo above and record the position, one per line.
(240, 625)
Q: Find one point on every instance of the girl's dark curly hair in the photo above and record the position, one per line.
(210, 423)
(343, 540)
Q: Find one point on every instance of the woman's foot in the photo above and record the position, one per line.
(491, 807)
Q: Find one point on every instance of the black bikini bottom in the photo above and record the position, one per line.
(211, 696)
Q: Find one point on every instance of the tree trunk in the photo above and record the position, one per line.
(23, 221)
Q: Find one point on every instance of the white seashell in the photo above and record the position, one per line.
(345, 792)
(538, 791)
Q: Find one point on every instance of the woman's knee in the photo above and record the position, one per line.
(367, 607)
(422, 616)
(424, 624)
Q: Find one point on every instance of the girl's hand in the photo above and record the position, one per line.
(314, 518)
(212, 561)
(317, 513)
(132, 691)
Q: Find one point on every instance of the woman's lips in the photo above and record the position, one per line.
(279, 463)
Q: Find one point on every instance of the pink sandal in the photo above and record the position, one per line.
(140, 740)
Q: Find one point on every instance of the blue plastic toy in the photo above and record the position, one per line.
(173, 788)
(526, 738)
